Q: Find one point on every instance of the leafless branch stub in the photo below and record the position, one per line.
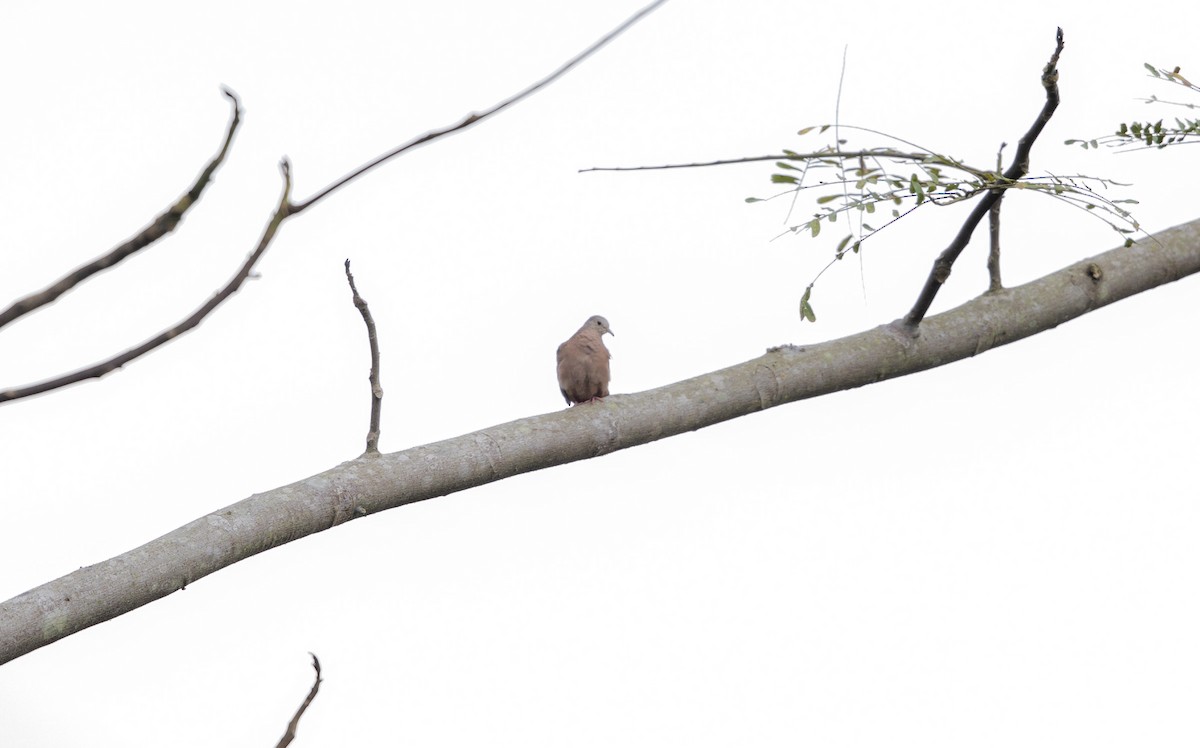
(376, 387)
(290, 734)
(196, 317)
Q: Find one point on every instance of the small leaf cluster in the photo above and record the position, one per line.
(873, 188)
(1147, 134)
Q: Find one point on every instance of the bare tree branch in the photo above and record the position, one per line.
(1019, 168)
(290, 735)
(475, 117)
(235, 283)
(376, 387)
(356, 488)
(157, 229)
(287, 209)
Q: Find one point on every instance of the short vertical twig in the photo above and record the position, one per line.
(376, 387)
(993, 263)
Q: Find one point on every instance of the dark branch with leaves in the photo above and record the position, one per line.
(1018, 169)
(873, 188)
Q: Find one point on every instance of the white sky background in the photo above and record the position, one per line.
(998, 552)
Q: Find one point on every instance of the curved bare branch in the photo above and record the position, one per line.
(195, 318)
(476, 117)
(157, 229)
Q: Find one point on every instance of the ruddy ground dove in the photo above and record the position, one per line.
(583, 363)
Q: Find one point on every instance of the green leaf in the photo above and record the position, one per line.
(827, 199)
(807, 130)
(782, 179)
(1153, 70)
(806, 310)
(914, 184)
(754, 199)
(815, 227)
(842, 244)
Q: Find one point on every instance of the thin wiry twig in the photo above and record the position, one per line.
(837, 139)
(475, 117)
(873, 153)
(157, 229)
(376, 388)
(290, 735)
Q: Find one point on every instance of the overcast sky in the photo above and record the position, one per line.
(998, 552)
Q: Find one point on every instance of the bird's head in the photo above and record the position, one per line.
(596, 322)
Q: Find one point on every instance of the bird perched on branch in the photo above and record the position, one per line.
(583, 363)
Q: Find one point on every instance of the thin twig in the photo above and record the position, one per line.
(290, 735)
(157, 229)
(475, 117)
(376, 387)
(919, 157)
(1019, 167)
(993, 262)
(235, 283)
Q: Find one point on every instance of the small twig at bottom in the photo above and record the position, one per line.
(376, 387)
(290, 735)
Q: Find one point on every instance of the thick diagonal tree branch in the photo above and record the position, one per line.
(1019, 168)
(157, 229)
(287, 209)
(373, 484)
